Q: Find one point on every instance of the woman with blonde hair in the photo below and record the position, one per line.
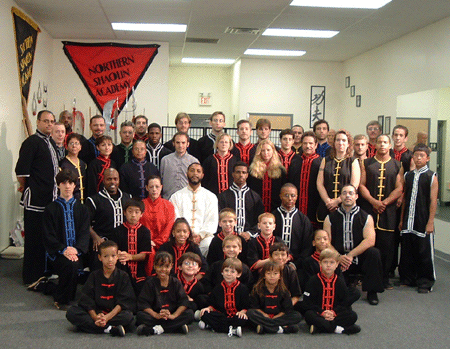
(218, 167)
(336, 170)
(267, 175)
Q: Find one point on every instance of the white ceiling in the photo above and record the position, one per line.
(360, 30)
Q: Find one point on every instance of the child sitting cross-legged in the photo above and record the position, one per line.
(228, 302)
(189, 266)
(271, 305)
(108, 301)
(325, 299)
(163, 303)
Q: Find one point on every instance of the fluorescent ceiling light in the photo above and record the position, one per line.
(262, 52)
(300, 33)
(208, 60)
(149, 27)
(370, 4)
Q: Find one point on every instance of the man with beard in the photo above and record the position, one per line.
(88, 149)
(36, 169)
(373, 130)
(106, 210)
(199, 206)
(303, 174)
(141, 123)
(244, 149)
(353, 236)
(155, 149)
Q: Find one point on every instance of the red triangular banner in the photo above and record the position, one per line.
(107, 70)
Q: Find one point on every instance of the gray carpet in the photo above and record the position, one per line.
(403, 319)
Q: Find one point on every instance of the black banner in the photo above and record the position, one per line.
(26, 32)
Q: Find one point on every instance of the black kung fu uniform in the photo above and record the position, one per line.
(157, 297)
(346, 234)
(122, 154)
(88, 150)
(214, 276)
(322, 293)
(404, 156)
(417, 253)
(272, 304)
(246, 203)
(206, 146)
(178, 251)
(336, 174)
(195, 290)
(106, 212)
(134, 240)
(215, 252)
(193, 148)
(296, 231)
(380, 181)
(269, 189)
(217, 172)
(291, 281)
(258, 249)
(286, 159)
(66, 224)
(134, 175)
(95, 174)
(154, 155)
(303, 174)
(244, 153)
(371, 150)
(80, 170)
(103, 295)
(227, 300)
(38, 164)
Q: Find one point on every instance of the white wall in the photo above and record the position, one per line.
(284, 86)
(185, 84)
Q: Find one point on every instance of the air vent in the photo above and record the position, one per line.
(202, 40)
(236, 30)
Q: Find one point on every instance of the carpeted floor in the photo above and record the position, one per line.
(403, 319)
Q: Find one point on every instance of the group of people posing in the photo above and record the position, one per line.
(227, 233)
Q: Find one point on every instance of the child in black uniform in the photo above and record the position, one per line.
(228, 302)
(271, 305)
(134, 243)
(189, 266)
(108, 301)
(163, 303)
(325, 299)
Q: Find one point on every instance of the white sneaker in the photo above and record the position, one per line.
(202, 325)
(158, 329)
(197, 315)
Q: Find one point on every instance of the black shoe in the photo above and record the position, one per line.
(291, 329)
(117, 331)
(423, 290)
(388, 286)
(352, 329)
(372, 298)
(144, 330)
(184, 329)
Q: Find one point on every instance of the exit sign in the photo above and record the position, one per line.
(204, 100)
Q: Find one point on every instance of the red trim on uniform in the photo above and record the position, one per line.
(328, 290)
(244, 151)
(222, 171)
(286, 159)
(398, 154)
(106, 164)
(132, 246)
(179, 252)
(305, 173)
(229, 292)
(187, 285)
(265, 246)
(266, 192)
(316, 255)
(371, 150)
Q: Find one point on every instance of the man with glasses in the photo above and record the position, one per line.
(36, 169)
(373, 130)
